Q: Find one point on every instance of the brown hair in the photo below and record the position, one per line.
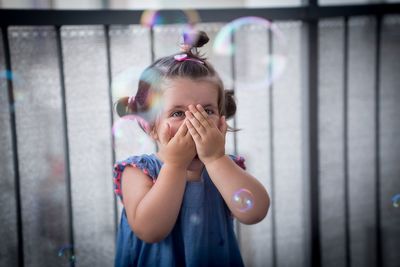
(168, 67)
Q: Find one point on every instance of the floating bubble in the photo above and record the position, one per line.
(151, 18)
(260, 68)
(66, 252)
(243, 200)
(142, 88)
(396, 200)
(194, 219)
(125, 82)
(187, 19)
(127, 133)
(17, 81)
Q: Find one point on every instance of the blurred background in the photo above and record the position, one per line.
(317, 86)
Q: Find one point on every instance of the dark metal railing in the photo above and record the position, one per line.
(311, 14)
(125, 17)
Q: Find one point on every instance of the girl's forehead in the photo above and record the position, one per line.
(183, 91)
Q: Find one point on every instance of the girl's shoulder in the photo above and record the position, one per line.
(147, 163)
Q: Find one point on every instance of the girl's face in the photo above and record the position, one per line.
(178, 94)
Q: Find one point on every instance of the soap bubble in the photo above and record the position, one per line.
(185, 19)
(125, 82)
(66, 252)
(396, 200)
(243, 200)
(151, 18)
(261, 68)
(149, 96)
(126, 132)
(19, 94)
(194, 218)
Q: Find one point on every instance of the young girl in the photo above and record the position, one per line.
(178, 203)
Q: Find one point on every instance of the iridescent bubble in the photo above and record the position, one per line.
(149, 95)
(125, 82)
(17, 82)
(243, 200)
(396, 200)
(151, 18)
(194, 219)
(127, 133)
(66, 252)
(187, 19)
(261, 67)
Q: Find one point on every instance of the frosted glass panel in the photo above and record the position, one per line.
(89, 133)
(253, 140)
(8, 223)
(389, 138)
(254, 118)
(40, 145)
(361, 86)
(290, 199)
(331, 147)
(130, 56)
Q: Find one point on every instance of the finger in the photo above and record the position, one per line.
(195, 123)
(165, 135)
(202, 118)
(182, 130)
(193, 132)
(205, 115)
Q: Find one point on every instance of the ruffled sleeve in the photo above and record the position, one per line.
(143, 162)
(239, 161)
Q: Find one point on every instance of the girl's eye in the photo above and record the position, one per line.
(209, 111)
(177, 114)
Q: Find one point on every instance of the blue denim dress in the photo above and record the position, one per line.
(202, 236)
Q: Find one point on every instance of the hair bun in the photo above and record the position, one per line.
(201, 39)
(122, 107)
(230, 104)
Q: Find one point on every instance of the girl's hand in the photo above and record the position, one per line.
(179, 150)
(209, 139)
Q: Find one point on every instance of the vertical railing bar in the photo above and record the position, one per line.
(66, 142)
(346, 142)
(271, 151)
(311, 123)
(379, 253)
(14, 143)
(311, 134)
(235, 146)
(110, 97)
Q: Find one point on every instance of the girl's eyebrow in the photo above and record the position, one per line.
(184, 107)
(208, 105)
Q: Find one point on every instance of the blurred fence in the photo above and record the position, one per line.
(323, 138)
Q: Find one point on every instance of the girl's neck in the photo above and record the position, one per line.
(193, 176)
(193, 173)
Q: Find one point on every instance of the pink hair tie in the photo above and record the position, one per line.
(131, 99)
(184, 57)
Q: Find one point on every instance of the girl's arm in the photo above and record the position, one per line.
(229, 178)
(152, 209)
